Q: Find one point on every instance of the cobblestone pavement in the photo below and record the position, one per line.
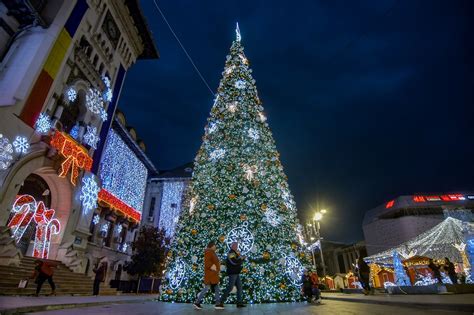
(328, 307)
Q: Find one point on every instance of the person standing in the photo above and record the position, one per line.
(100, 275)
(315, 287)
(449, 267)
(234, 263)
(364, 274)
(212, 267)
(307, 286)
(43, 271)
(436, 272)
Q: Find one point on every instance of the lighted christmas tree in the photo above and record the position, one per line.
(239, 192)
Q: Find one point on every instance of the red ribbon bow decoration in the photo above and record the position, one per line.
(75, 154)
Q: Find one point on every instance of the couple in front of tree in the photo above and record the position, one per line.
(212, 267)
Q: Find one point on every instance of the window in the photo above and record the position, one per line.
(152, 207)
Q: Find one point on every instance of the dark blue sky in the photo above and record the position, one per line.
(367, 100)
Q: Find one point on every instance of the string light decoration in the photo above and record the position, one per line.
(91, 137)
(21, 144)
(124, 247)
(89, 193)
(6, 152)
(230, 204)
(242, 236)
(122, 173)
(177, 274)
(43, 124)
(262, 117)
(70, 94)
(107, 95)
(96, 219)
(253, 134)
(217, 154)
(171, 205)
(76, 156)
(118, 205)
(25, 210)
(437, 243)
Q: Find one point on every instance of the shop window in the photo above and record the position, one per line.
(151, 211)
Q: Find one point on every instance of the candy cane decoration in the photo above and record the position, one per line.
(46, 226)
(24, 209)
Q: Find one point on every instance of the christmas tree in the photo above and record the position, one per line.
(239, 192)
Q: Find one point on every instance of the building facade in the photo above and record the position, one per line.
(406, 217)
(63, 64)
(166, 198)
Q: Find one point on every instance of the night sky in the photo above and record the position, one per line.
(367, 100)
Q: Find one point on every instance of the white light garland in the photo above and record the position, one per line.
(89, 193)
(171, 205)
(21, 144)
(91, 137)
(122, 173)
(242, 236)
(217, 154)
(43, 123)
(6, 151)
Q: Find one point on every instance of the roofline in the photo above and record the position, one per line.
(150, 51)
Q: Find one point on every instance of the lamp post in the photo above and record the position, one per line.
(317, 218)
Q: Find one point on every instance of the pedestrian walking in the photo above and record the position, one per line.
(234, 263)
(449, 267)
(435, 269)
(212, 267)
(43, 271)
(364, 275)
(307, 286)
(315, 287)
(100, 275)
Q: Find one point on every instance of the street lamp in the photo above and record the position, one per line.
(318, 216)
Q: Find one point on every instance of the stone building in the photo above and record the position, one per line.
(166, 197)
(63, 64)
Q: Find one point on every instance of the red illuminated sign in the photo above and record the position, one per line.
(448, 197)
(390, 204)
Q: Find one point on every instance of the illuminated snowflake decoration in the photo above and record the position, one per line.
(107, 95)
(6, 151)
(212, 127)
(242, 236)
(96, 219)
(70, 94)
(119, 229)
(94, 102)
(240, 84)
(124, 247)
(43, 123)
(272, 217)
(91, 138)
(103, 114)
(105, 227)
(253, 134)
(217, 154)
(74, 131)
(89, 193)
(262, 117)
(21, 144)
(294, 269)
(177, 274)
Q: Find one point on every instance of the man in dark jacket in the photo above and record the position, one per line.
(307, 286)
(43, 271)
(449, 267)
(234, 263)
(100, 275)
